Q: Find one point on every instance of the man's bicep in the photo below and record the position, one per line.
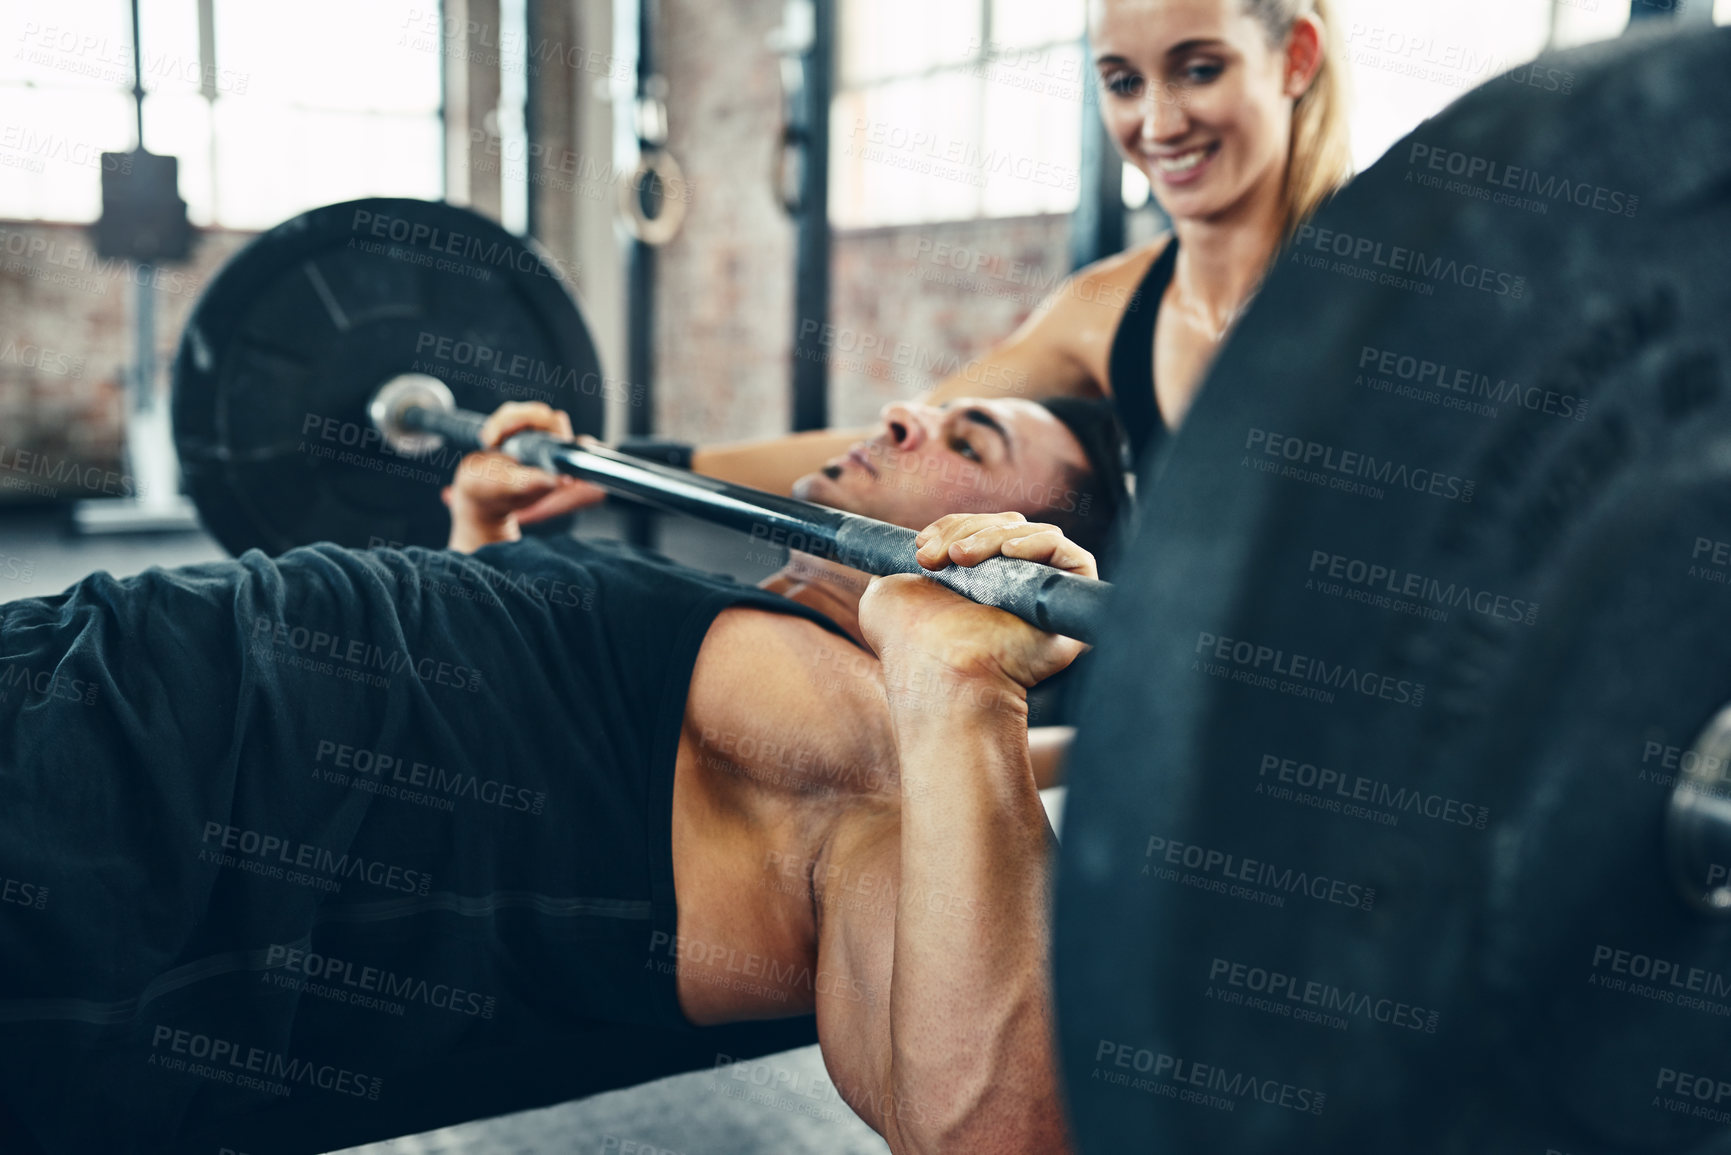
(856, 956)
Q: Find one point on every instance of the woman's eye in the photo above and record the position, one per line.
(1122, 84)
(1202, 73)
(961, 446)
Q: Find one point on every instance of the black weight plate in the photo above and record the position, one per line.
(297, 332)
(1383, 870)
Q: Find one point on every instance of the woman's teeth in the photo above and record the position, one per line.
(1183, 162)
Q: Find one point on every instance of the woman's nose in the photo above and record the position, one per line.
(1162, 114)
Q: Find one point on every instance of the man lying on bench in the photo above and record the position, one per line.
(308, 835)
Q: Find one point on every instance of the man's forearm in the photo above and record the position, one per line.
(970, 1008)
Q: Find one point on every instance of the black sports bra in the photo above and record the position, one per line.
(1131, 368)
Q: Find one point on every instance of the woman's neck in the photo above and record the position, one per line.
(1222, 259)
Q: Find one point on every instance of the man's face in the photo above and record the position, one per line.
(971, 455)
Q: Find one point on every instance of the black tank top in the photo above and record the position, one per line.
(1131, 368)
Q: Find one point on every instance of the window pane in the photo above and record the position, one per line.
(334, 101)
(1032, 147)
(513, 130)
(1027, 23)
(1582, 21)
(907, 151)
(294, 121)
(51, 145)
(169, 46)
(380, 56)
(274, 162)
(1135, 188)
(67, 43)
(884, 38)
(1410, 61)
(1053, 71)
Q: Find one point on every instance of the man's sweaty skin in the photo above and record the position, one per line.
(866, 839)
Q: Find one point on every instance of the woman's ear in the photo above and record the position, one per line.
(1303, 55)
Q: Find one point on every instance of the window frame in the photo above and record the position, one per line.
(985, 49)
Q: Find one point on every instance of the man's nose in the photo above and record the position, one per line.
(907, 425)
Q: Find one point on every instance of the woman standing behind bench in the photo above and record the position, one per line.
(1236, 112)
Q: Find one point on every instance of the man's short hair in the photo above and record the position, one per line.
(1101, 488)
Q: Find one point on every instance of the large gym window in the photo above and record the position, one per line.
(299, 106)
(956, 110)
(1409, 62)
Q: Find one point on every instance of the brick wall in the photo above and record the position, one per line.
(911, 305)
(908, 303)
(64, 348)
(724, 295)
(724, 330)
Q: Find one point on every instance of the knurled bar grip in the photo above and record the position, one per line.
(1055, 601)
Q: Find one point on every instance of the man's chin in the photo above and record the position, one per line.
(818, 488)
(821, 489)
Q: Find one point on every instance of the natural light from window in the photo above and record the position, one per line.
(936, 126)
(299, 114)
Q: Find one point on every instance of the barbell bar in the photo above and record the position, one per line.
(416, 414)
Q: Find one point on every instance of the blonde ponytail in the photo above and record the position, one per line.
(1320, 160)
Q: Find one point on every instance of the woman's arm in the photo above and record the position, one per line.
(775, 464)
(1033, 363)
(1062, 349)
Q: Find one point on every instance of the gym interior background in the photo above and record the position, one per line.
(872, 193)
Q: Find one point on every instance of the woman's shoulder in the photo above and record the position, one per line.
(1126, 268)
(1071, 335)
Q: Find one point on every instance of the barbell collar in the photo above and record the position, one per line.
(408, 397)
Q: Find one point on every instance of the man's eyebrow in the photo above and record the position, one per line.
(981, 417)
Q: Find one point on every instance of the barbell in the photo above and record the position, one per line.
(316, 399)
(292, 339)
(416, 414)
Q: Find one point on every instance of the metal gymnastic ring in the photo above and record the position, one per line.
(663, 227)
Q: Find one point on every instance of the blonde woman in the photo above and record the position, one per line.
(1236, 112)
